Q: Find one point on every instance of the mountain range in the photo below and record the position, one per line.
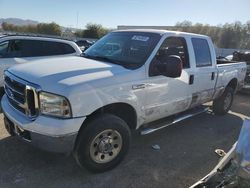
(21, 22)
(18, 21)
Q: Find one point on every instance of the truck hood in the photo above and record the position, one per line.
(61, 73)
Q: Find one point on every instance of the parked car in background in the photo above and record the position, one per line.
(89, 105)
(229, 57)
(17, 49)
(84, 44)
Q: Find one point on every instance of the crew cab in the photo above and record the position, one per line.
(18, 48)
(89, 105)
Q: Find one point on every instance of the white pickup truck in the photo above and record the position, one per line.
(89, 105)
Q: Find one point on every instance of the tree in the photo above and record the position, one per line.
(184, 26)
(79, 33)
(49, 29)
(8, 27)
(235, 35)
(43, 28)
(94, 31)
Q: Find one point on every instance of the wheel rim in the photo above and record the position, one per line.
(227, 101)
(106, 146)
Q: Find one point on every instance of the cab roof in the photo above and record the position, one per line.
(159, 31)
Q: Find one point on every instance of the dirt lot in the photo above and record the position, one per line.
(186, 155)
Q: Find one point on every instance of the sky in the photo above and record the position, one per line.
(111, 13)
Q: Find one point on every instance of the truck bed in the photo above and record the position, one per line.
(223, 61)
(230, 69)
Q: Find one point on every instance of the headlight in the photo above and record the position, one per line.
(54, 105)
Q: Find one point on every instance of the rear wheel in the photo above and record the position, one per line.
(223, 104)
(103, 143)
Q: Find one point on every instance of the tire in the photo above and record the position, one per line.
(103, 143)
(223, 104)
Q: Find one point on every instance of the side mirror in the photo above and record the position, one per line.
(172, 67)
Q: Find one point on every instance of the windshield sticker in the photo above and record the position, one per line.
(140, 38)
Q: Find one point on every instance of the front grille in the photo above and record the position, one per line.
(21, 95)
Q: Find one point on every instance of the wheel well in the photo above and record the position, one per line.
(122, 110)
(233, 84)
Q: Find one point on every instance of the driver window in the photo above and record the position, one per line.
(171, 46)
(4, 48)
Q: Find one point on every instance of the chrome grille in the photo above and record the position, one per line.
(21, 95)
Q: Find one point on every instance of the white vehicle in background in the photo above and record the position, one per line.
(89, 105)
(16, 49)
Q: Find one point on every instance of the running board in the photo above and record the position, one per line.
(176, 120)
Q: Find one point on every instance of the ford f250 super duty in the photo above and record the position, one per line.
(89, 105)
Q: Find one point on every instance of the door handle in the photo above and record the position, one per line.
(213, 76)
(191, 79)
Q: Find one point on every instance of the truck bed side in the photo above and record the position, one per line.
(230, 73)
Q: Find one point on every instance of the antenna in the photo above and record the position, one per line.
(77, 14)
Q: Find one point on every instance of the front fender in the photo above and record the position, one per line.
(84, 103)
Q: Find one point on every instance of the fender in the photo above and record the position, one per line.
(91, 96)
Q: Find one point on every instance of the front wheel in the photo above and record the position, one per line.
(223, 104)
(103, 143)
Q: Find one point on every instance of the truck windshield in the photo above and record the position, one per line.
(128, 49)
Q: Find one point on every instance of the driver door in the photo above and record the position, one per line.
(167, 96)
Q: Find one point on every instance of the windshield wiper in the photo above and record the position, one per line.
(103, 58)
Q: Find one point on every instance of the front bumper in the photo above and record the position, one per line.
(47, 133)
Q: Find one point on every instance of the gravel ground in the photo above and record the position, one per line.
(186, 154)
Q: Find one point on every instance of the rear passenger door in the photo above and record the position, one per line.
(205, 71)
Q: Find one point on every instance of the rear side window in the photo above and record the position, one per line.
(67, 48)
(202, 52)
(57, 48)
(33, 48)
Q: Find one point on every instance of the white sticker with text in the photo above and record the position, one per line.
(140, 38)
